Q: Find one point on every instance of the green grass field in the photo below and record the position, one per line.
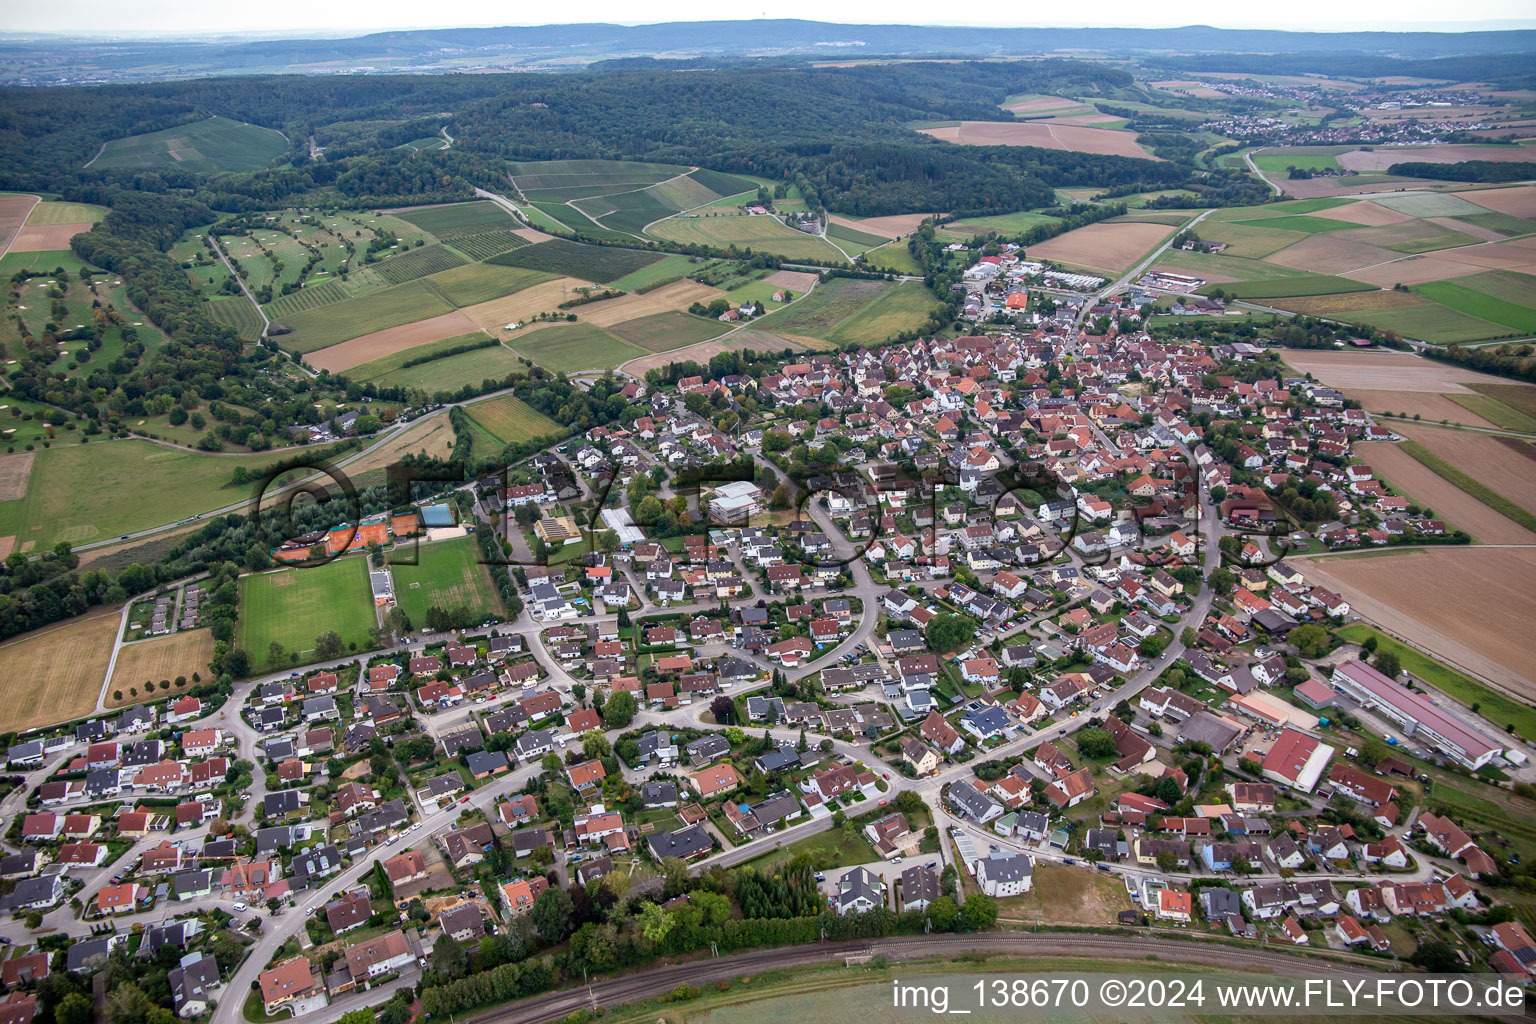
(857, 240)
(459, 218)
(1519, 316)
(1496, 412)
(1286, 287)
(539, 174)
(293, 606)
(1436, 324)
(845, 311)
(446, 374)
(1003, 224)
(1492, 705)
(1300, 223)
(447, 575)
(329, 325)
(1288, 208)
(481, 282)
(893, 257)
(572, 348)
(65, 213)
(723, 184)
(210, 146)
(1311, 158)
(661, 332)
(40, 262)
(629, 212)
(600, 264)
(1237, 268)
(758, 233)
(388, 364)
(508, 419)
(661, 270)
(89, 492)
(1519, 397)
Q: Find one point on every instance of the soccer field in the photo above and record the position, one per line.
(293, 606)
(447, 575)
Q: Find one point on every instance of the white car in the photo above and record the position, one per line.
(239, 905)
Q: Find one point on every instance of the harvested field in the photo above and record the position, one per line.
(1426, 487)
(13, 213)
(1341, 306)
(1413, 270)
(795, 280)
(544, 297)
(1383, 157)
(63, 667)
(65, 213)
(1322, 254)
(1471, 607)
(433, 435)
(1112, 247)
(47, 237)
(1089, 120)
(1045, 136)
(1040, 104)
(149, 661)
(15, 470)
(1519, 201)
(1462, 227)
(1385, 371)
(678, 295)
(702, 352)
(1432, 407)
(389, 341)
(1506, 465)
(1496, 256)
(886, 227)
(1367, 214)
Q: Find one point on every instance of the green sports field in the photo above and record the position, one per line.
(508, 418)
(447, 575)
(293, 606)
(210, 146)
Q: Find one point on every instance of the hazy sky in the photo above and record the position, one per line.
(358, 17)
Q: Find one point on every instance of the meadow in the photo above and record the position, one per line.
(508, 419)
(661, 332)
(63, 666)
(599, 264)
(330, 325)
(448, 373)
(482, 282)
(150, 661)
(545, 174)
(96, 491)
(758, 233)
(294, 606)
(447, 574)
(847, 311)
(574, 348)
(1476, 302)
(210, 146)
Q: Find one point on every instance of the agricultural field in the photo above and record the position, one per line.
(391, 341)
(294, 606)
(211, 146)
(323, 326)
(237, 312)
(574, 348)
(509, 419)
(485, 244)
(49, 225)
(664, 269)
(1076, 138)
(449, 373)
(147, 662)
(91, 492)
(1407, 314)
(1505, 465)
(522, 305)
(63, 665)
(846, 311)
(482, 282)
(447, 574)
(661, 332)
(1475, 617)
(419, 262)
(893, 256)
(1280, 159)
(1104, 247)
(456, 219)
(598, 264)
(1003, 224)
(758, 232)
(1410, 476)
(617, 199)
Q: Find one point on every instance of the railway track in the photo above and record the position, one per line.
(555, 1005)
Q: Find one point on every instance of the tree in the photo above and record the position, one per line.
(979, 912)
(1189, 637)
(551, 914)
(648, 511)
(1168, 790)
(74, 1008)
(943, 913)
(1387, 663)
(947, 631)
(724, 710)
(1096, 743)
(620, 709)
(595, 745)
(1435, 957)
(1152, 646)
(908, 802)
(329, 645)
(1166, 861)
(449, 957)
(1311, 640)
(655, 923)
(274, 653)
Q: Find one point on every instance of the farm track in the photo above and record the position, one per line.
(557, 1005)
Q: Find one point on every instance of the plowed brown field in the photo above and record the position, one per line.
(389, 341)
(1044, 136)
(1112, 247)
(1449, 502)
